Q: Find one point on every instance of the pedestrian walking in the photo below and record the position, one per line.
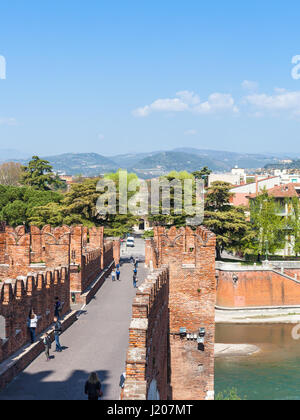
(47, 345)
(57, 308)
(122, 384)
(134, 280)
(32, 325)
(113, 275)
(131, 259)
(118, 273)
(93, 387)
(136, 262)
(57, 334)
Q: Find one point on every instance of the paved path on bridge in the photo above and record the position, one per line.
(98, 341)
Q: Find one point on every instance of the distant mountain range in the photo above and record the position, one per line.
(12, 154)
(149, 165)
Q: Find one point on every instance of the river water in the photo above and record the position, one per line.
(271, 374)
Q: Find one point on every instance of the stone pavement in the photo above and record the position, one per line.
(98, 341)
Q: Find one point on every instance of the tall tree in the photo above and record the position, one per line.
(229, 223)
(175, 213)
(269, 225)
(203, 174)
(39, 174)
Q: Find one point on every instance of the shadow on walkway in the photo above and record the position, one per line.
(39, 388)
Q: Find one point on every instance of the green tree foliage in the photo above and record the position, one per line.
(203, 174)
(228, 395)
(293, 223)
(79, 206)
(39, 174)
(51, 213)
(120, 224)
(18, 204)
(174, 218)
(218, 196)
(268, 224)
(229, 223)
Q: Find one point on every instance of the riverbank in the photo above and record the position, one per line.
(259, 316)
(235, 350)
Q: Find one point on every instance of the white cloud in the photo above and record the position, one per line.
(189, 101)
(190, 132)
(8, 121)
(162, 105)
(250, 85)
(217, 102)
(280, 101)
(190, 98)
(101, 136)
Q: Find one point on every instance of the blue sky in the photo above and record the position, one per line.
(136, 76)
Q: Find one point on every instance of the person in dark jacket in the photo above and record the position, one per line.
(57, 333)
(134, 280)
(57, 308)
(93, 387)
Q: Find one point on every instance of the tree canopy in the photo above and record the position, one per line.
(229, 223)
(39, 174)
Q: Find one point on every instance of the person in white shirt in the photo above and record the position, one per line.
(32, 324)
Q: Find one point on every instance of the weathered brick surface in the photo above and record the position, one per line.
(37, 292)
(83, 250)
(148, 338)
(257, 288)
(59, 261)
(187, 372)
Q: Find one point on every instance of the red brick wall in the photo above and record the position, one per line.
(77, 247)
(108, 253)
(257, 288)
(189, 372)
(147, 357)
(37, 291)
(191, 259)
(116, 250)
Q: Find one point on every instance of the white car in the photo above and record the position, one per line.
(130, 242)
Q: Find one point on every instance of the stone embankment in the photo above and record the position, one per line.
(235, 350)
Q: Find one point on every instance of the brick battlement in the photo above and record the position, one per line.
(184, 240)
(82, 248)
(147, 356)
(19, 295)
(189, 371)
(62, 261)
